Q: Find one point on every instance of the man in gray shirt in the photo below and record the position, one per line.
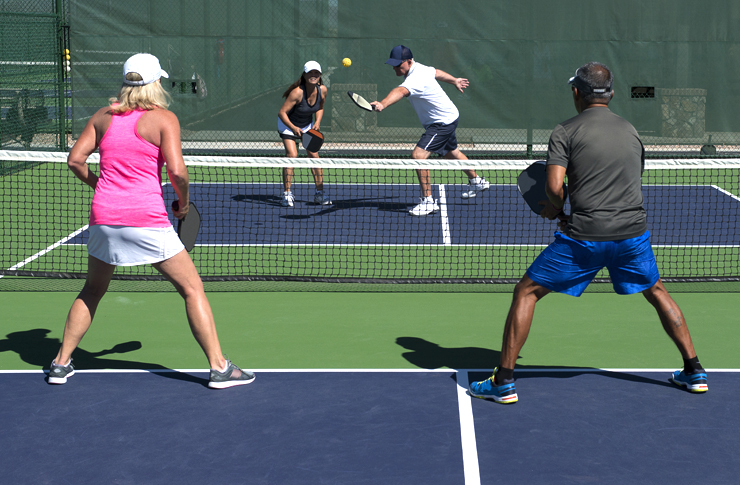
(604, 158)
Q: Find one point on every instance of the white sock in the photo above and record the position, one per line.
(429, 199)
(223, 371)
(475, 180)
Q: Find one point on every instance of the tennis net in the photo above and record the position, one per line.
(366, 234)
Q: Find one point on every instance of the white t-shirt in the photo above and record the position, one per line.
(431, 103)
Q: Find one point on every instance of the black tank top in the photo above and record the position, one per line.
(302, 113)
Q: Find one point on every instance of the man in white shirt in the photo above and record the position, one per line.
(439, 116)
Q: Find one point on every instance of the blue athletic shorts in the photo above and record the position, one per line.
(568, 265)
(439, 138)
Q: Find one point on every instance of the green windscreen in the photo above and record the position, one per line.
(230, 61)
(32, 89)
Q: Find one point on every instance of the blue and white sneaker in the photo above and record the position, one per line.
(505, 394)
(696, 382)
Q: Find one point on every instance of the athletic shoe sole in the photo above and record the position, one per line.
(434, 211)
(60, 380)
(691, 387)
(510, 399)
(227, 384)
(496, 393)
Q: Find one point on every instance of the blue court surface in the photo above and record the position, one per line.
(390, 427)
(251, 214)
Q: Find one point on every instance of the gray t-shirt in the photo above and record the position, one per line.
(604, 159)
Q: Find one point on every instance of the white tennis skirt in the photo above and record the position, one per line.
(132, 246)
(284, 131)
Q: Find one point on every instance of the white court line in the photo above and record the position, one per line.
(446, 237)
(583, 370)
(729, 194)
(44, 251)
(139, 371)
(467, 431)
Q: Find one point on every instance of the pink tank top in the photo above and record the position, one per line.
(129, 190)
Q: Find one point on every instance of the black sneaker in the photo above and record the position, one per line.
(222, 380)
(58, 373)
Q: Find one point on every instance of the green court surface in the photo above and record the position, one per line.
(322, 330)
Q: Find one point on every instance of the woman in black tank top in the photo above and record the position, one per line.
(304, 101)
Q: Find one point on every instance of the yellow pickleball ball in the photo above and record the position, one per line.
(346, 62)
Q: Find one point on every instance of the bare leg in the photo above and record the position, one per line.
(83, 309)
(287, 178)
(426, 186)
(318, 173)
(526, 294)
(422, 175)
(291, 151)
(458, 155)
(672, 318)
(181, 271)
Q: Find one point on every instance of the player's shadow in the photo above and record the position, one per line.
(272, 200)
(428, 355)
(371, 203)
(379, 203)
(34, 347)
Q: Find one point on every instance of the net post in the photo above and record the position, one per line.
(63, 43)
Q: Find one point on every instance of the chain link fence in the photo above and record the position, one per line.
(34, 94)
(229, 62)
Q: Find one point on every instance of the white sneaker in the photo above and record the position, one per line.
(288, 199)
(425, 207)
(475, 187)
(320, 199)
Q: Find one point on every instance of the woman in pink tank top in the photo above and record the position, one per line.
(136, 136)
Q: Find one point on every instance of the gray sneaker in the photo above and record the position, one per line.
(222, 380)
(321, 199)
(58, 373)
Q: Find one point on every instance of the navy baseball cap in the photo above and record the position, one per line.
(583, 85)
(399, 54)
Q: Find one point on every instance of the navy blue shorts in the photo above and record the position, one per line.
(439, 138)
(568, 265)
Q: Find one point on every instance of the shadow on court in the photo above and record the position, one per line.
(35, 348)
(428, 355)
(377, 203)
(272, 200)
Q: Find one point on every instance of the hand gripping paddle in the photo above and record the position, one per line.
(531, 185)
(312, 140)
(188, 226)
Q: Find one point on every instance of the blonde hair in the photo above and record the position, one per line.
(148, 96)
